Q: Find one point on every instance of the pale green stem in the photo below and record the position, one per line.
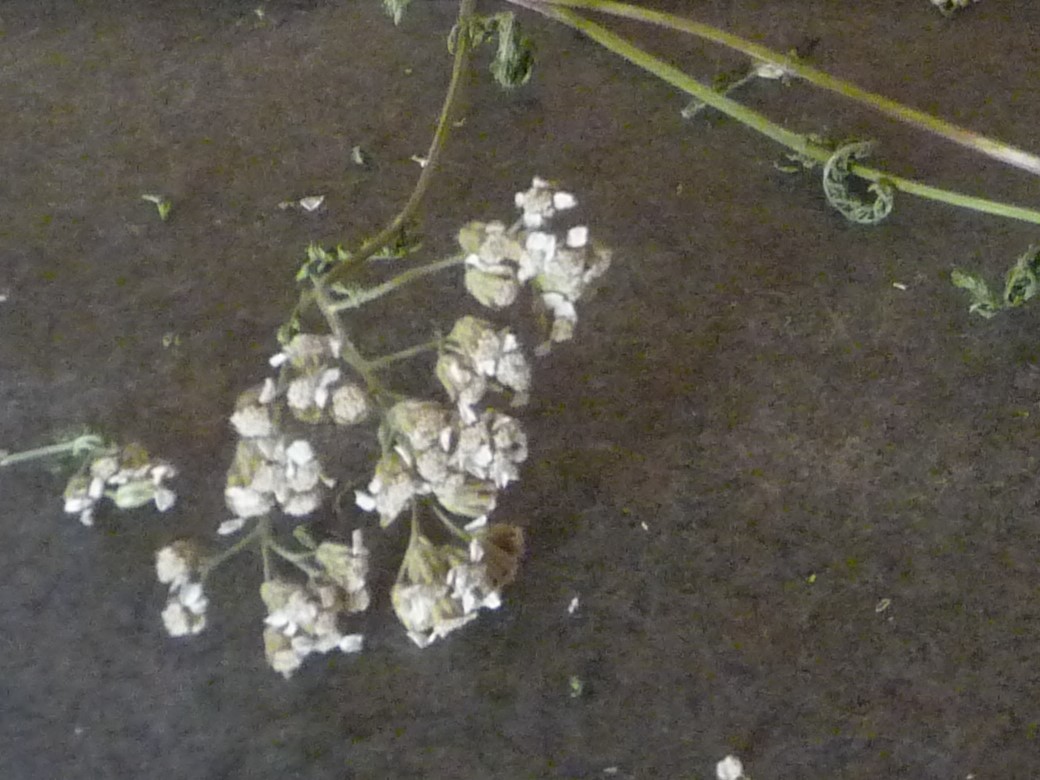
(81, 443)
(404, 354)
(440, 136)
(296, 559)
(348, 350)
(798, 143)
(415, 531)
(959, 135)
(258, 532)
(466, 537)
(360, 298)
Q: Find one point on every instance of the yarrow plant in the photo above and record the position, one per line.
(443, 459)
(444, 462)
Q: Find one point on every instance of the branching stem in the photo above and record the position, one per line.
(756, 121)
(919, 119)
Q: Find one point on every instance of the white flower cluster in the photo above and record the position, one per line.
(129, 478)
(273, 470)
(303, 619)
(445, 588)
(560, 268)
(315, 391)
(177, 565)
(474, 354)
(435, 451)
(270, 468)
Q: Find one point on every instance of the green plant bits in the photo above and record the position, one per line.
(836, 187)
(1022, 278)
(514, 59)
(983, 301)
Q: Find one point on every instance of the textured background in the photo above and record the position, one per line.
(748, 383)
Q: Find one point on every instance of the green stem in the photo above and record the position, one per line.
(959, 135)
(404, 354)
(210, 564)
(414, 533)
(359, 299)
(440, 136)
(461, 534)
(296, 559)
(87, 442)
(794, 141)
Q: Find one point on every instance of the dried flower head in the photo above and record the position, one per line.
(298, 624)
(128, 477)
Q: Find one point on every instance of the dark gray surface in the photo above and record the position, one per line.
(748, 383)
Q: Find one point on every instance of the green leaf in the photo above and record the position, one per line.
(983, 301)
(1022, 282)
(514, 59)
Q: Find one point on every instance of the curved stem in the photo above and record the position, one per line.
(794, 141)
(84, 443)
(998, 150)
(440, 136)
(359, 299)
(455, 530)
(296, 559)
(404, 354)
(258, 532)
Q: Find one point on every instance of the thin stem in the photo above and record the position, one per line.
(362, 297)
(210, 564)
(86, 442)
(455, 530)
(414, 533)
(404, 354)
(794, 141)
(296, 559)
(998, 150)
(440, 136)
(348, 350)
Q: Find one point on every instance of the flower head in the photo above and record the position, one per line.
(299, 624)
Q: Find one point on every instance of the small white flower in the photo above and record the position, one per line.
(729, 768)
(302, 504)
(298, 624)
(391, 489)
(185, 612)
(173, 565)
(540, 203)
(253, 421)
(105, 468)
(246, 502)
(419, 423)
(350, 405)
(300, 452)
(577, 237)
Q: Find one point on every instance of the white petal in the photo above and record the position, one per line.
(228, 527)
(352, 643)
(577, 237)
(729, 768)
(269, 391)
(564, 200)
(300, 452)
(164, 498)
(312, 202)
